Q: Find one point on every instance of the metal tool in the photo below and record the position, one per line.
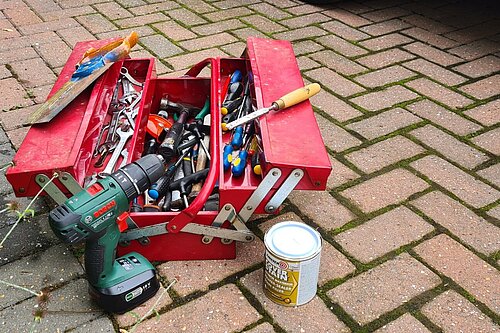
(124, 133)
(285, 101)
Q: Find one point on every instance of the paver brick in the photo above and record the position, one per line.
(335, 137)
(263, 24)
(141, 20)
(311, 317)
(13, 95)
(480, 67)
(186, 17)
(20, 16)
(484, 88)
(142, 31)
(384, 123)
(244, 33)
(438, 92)
(342, 46)
(74, 35)
(337, 62)
(341, 174)
(208, 41)
(384, 98)
(470, 272)
(454, 313)
(113, 10)
(344, 31)
(55, 54)
(189, 59)
(383, 288)
(385, 58)
(30, 40)
(385, 42)
(214, 28)
(33, 72)
(262, 328)
(8, 31)
(322, 208)
(14, 118)
(269, 11)
(432, 54)
(303, 9)
(487, 114)
(334, 265)
(385, 27)
(387, 189)
(495, 212)
(67, 308)
(431, 38)
(300, 33)
(96, 23)
(442, 117)
(224, 309)
(65, 13)
(17, 136)
(306, 46)
(236, 50)
(174, 31)
(384, 153)
(461, 184)
(475, 49)
(335, 107)
(384, 233)
(44, 269)
(4, 72)
(427, 23)
(55, 25)
(222, 15)
(161, 46)
(346, 17)
(154, 7)
(435, 72)
(10, 56)
(224, 4)
(489, 141)
(385, 14)
(450, 147)
(306, 63)
(100, 325)
(200, 274)
(472, 229)
(406, 323)
(197, 6)
(335, 82)
(491, 173)
(384, 76)
(305, 20)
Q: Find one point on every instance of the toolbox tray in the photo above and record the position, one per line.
(285, 134)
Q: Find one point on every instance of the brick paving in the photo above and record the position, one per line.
(410, 117)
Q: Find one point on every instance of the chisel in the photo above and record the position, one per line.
(286, 101)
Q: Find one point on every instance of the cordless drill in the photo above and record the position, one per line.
(97, 215)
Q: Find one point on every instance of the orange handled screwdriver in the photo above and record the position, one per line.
(290, 99)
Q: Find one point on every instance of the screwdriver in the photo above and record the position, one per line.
(285, 101)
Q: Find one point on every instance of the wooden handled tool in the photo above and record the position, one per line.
(290, 99)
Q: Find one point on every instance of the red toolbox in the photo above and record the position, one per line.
(293, 153)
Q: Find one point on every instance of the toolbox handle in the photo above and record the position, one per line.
(187, 215)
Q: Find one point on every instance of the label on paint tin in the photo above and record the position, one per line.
(293, 251)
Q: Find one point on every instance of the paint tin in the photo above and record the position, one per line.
(293, 251)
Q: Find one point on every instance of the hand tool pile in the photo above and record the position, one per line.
(185, 147)
(114, 135)
(244, 142)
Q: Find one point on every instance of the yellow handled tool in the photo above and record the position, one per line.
(93, 64)
(290, 99)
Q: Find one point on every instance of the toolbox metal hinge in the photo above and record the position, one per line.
(53, 191)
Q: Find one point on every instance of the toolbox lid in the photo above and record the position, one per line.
(291, 137)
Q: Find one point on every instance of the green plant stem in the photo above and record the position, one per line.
(26, 210)
(22, 288)
(152, 308)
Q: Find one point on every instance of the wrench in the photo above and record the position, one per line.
(124, 154)
(124, 135)
(126, 74)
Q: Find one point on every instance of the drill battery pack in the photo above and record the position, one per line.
(290, 151)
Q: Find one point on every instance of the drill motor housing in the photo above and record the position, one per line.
(97, 215)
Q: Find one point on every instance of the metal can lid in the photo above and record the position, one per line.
(293, 240)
